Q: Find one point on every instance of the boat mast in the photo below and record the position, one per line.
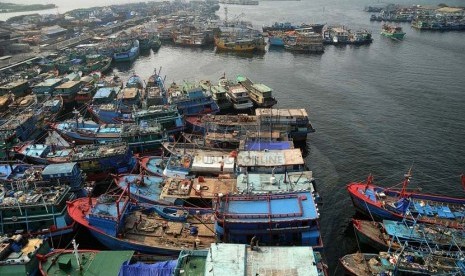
(76, 254)
(407, 176)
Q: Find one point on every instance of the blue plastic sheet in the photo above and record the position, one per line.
(141, 269)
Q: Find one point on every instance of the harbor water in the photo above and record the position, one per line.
(381, 108)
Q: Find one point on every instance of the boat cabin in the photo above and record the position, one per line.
(47, 87)
(17, 88)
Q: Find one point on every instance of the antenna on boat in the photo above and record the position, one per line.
(407, 177)
(76, 253)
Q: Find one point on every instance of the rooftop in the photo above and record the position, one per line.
(281, 112)
(264, 183)
(68, 84)
(105, 92)
(62, 168)
(268, 208)
(213, 163)
(239, 259)
(128, 93)
(261, 87)
(49, 82)
(270, 158)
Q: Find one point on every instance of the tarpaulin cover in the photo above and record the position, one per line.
(142, 269)
(255, 145)
(402, 205)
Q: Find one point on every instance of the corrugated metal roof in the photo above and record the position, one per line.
(59, 168)
(271, 158)
(239, 259)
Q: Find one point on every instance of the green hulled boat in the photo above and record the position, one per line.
(394, 32)
(18, 255)
(84, 262)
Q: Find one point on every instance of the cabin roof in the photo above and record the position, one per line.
(238, 259)
(264, 183)
(105, 92)
(128, 93)
(261, 87)
(61, 168)
(266, 208)
(49, 82)
(271, 158)
(282, 112)
(13, 84)
(68, 84)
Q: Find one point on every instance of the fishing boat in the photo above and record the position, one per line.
(121, 225)
(221, 259)
(259, 93)
(97, 161)
(22, 126)
(18, 254)
(219, 96)
(239, 96)
(127, 52)
(46, 87)
(88, 89)
(152, 165)
(35, 201)
(167, 116)
(393, 32)
(304, 44)
(284, 219)
(294, 122)
(18, 88)
(135, 81)
(190, 99)
(395, 204)
(393, 234)
(149, 41)
(68, 91)
(225, 43)
(140, 138)
(82, 261)
(279, 26)
(400, 263)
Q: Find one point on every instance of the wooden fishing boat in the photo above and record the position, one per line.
(394, 204)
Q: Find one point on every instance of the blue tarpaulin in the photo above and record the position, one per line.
(142, 269)
(402, 205)
(262, 145)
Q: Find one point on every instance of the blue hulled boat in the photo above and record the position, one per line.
(97, 161)
(284, 219)
(119, 224)
(190, 99)
(127, 52)
(395, 204)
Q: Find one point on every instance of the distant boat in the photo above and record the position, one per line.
(394, 32)
(127, 52)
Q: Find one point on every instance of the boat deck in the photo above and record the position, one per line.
(151, 230)
(204, 188)
(263, 183)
